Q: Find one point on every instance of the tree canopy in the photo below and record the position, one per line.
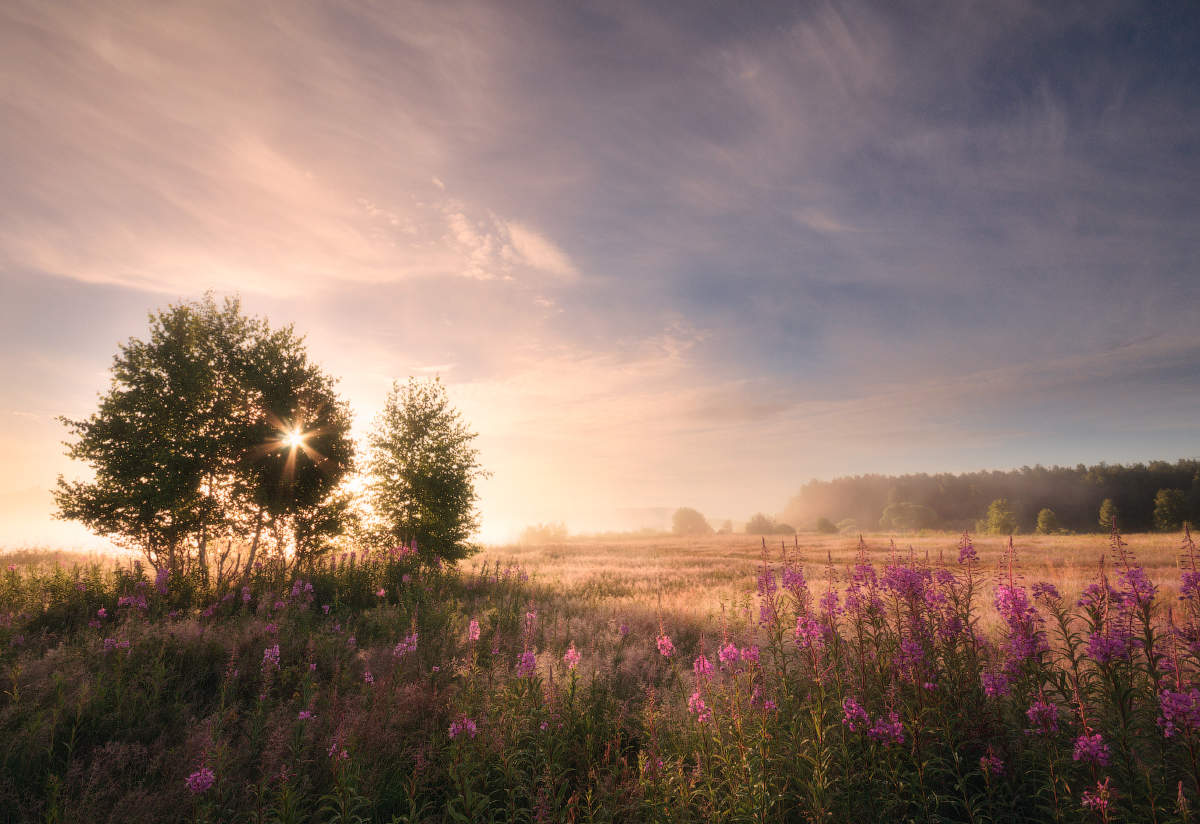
(688, 521)
(422, 471)
(216, 428)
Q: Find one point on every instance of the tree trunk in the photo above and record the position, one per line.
(258, 528)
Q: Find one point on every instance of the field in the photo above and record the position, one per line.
(644, 680)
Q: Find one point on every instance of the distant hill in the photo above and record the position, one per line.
(1073, 493)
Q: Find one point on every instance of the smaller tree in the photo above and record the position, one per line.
(999, 519)
(423, 470)
(1108, 513)
(688, 521)
(1170, 509)
(1047, 522)
(826, 526)
(906, 515)
(760, 524)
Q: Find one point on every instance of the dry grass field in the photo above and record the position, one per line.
(691, 578)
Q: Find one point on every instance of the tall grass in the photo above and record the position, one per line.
(877, 684)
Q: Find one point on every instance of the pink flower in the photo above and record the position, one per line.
(702, 667)
(381, 593)
(854, 717)
(368, 677)
(1091, 749)
(1100, 798)
(463, 725)
(887, 732)
(990, 764)
(271, 657)
(1043, 717)
(201, 780)
(102, 613)
(526, 664)
(728, 655)
(571, 657)
(665, 646)
(473, 630)
(697, 707)
(305, 715)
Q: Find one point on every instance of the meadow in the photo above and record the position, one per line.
(724, 678)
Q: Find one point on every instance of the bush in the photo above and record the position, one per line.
(1047, 523)
(826, 526)
(688, 521)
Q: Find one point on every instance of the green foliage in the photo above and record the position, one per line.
(187, 447)
(423, 469)
(688, 521)
(999, 519)
(1170, 509)
(1047, 523)
(907, 515)
(1108, 513)
(826, 526)
(760, 524)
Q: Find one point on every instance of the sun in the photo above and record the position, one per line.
(293, 439)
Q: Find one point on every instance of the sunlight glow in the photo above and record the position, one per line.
(293, 439)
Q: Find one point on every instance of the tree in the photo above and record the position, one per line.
(905, 515)
(1108, 513)
(826, 526)
(760, 524)
(688, 521)
(1047, 523)
(215, 428)
(422, 470)
(999, 519)
(1170, 509)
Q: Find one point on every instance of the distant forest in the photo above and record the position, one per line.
(1074, 494)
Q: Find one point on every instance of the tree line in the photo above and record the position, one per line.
(1158, 495)
(219, 444)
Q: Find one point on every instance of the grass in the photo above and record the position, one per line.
(668, 680)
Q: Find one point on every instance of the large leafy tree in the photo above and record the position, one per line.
(423, 468)
(215, 428)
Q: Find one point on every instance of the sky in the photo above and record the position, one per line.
(661, 254)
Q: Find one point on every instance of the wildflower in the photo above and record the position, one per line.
(526, 664)
(273, 629)
(990, 763)
(808, 634)
(749, 654)
(352, 642)
(702, 667)
(1043, 717)
(623, 629)
(406, 578)
(1139, 590)
(769, 705)
(697, 707)
(409, 644)
(368, 678)
(473, 630)
(1180, 712)
(1106, 647)
(665, 646)
(728, 655)
(854, 717)
(271, 657)
(995, 684)
(544, 726)
(160, 581)
(102, 613)
(1091, 749)
(1046, 591)
(966, 550)
(887, 732)
(325, 608)
(305, 715)
(1100, 799)
(571, 657)
(463, 725)
(201, 780)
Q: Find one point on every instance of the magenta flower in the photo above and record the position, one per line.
(665, 647)
(995, 684)
(750, 654)
(571, 657)
(1100, 798)
(808, 634)
(889, 731)
(1091, 749)
(728, 655)
(1043, 717)
(1180, 712)
(473, 630)
(102, 613)
(271, 657)
(201, 781)
(463, 725)
(526, 664)
(990, 764)
(305, 715)
(697, 707)
(854, 717)
(245, 595)
(404, 647)
(966, 550)
(368, 678)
